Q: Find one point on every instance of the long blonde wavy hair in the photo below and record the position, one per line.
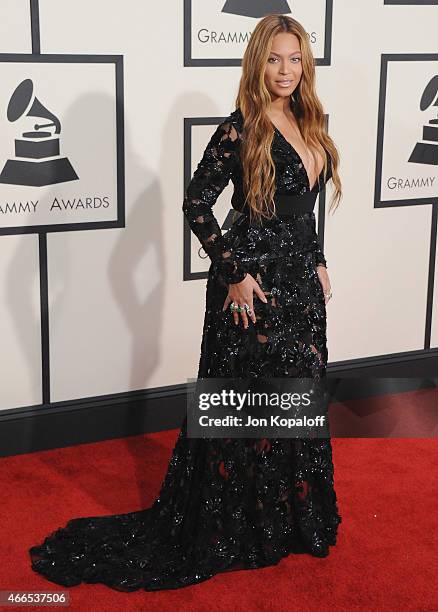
(254, 98)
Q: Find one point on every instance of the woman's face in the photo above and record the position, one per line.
(283, 69)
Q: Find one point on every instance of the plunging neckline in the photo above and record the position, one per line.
(300, 158)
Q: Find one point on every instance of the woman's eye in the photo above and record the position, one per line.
(275, 58)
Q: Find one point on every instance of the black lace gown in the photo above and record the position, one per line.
(228, 504)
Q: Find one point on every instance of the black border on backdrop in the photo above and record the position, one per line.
(56, 58)
(385, 59)
(41, 230)
(378, 203)
(410, 2)
(325, 60)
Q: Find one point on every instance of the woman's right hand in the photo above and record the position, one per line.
(242, 293)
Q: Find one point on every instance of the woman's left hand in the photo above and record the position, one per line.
(325, 282)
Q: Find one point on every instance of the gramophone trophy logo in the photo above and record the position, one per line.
(217, 32)
(426, 151)
(407, 139)
(62, 161)
(255, 8)
(38, 161)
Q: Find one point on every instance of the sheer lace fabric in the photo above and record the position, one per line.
(209, 180)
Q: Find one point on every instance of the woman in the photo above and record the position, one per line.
(228, 504)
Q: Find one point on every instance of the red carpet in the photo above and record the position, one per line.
(385, 559)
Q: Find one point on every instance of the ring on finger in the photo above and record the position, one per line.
(235, 307)
(248, 309)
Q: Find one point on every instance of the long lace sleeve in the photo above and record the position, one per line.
(210, 178)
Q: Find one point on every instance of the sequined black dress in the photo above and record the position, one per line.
(228, 504)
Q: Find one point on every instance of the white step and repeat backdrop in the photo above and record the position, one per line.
(129, 95)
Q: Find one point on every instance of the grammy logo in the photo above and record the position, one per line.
(255, 8)
(38, 151)
(427, 152)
